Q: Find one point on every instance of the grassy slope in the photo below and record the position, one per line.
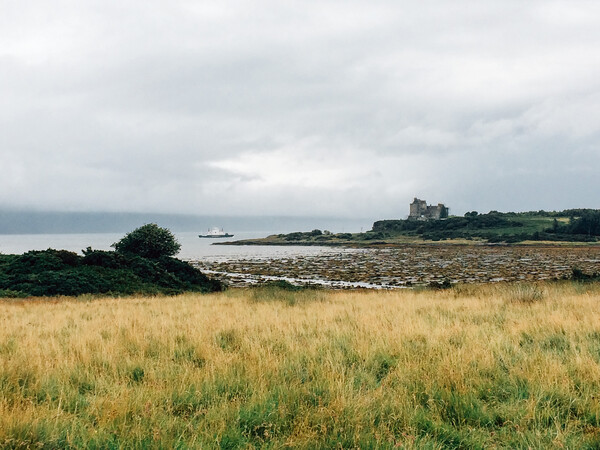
(472, 367)
(531, 224)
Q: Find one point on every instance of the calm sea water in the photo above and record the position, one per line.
(192, 247)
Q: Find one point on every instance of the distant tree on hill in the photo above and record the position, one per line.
(148, 241)
(555, 226)
(588, 224)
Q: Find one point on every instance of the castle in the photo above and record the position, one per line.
(419, 210)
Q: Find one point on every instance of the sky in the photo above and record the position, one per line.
(302, 108)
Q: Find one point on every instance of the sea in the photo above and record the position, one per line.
(193, 248)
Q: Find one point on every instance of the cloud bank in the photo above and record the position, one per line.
(299, 108)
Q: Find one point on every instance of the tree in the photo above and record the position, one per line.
(588, 223)
(555, 226)
(148, 241)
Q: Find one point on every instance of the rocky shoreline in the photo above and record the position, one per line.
(410, 265)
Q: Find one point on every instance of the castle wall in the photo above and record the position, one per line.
(421, 211)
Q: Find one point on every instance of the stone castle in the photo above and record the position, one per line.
(420, 210)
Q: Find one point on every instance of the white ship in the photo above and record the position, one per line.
(215, 233)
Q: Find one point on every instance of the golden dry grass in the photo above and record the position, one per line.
(470, 367)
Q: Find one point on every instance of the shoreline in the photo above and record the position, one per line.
(386, 244)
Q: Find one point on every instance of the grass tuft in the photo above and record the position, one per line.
(137, 374)
(524, 293)
(228, 340)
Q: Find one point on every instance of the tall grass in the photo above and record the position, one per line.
(471, 367)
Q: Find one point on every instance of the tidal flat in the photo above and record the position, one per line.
(506, 365)
(411, 265)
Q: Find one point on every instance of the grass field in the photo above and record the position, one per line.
(503, 365)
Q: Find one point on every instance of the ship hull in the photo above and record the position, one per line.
(208, 236)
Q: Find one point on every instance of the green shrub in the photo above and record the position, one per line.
(579, 275)
(439, 285)
(148, 241)
(8, 293)
(137, 374)
(102, 258)
(35, 262)
(59, 272)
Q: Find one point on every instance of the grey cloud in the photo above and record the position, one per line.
(154, 107)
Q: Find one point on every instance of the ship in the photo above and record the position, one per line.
(215, 233)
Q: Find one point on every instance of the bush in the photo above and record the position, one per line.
(148, 241)
(102, 258)
(439, 285)
(98, 272)
(7, 293)
(37, 261)
(579, 275)
(141, 266)
(297, 236)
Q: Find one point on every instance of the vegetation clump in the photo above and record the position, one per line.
(438, 285)
(148, 241)
(526, 293)
(579, 275)
(286, 292)
(139, 266)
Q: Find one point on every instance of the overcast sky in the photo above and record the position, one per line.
(337, 108)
